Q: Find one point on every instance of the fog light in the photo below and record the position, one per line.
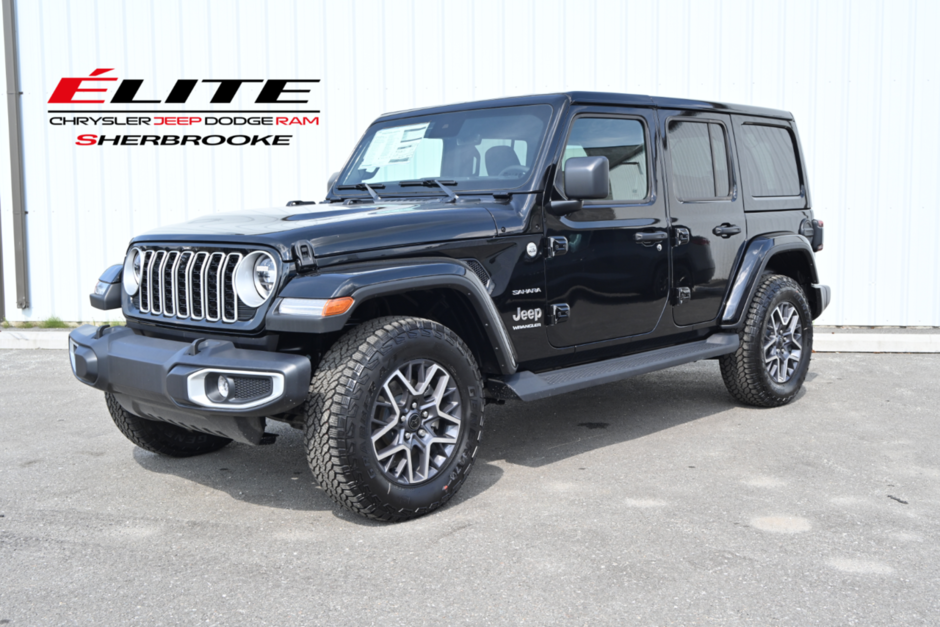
(224, 387)
(232, 390)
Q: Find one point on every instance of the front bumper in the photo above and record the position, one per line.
(176, 382)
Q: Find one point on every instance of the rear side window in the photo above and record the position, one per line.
(699, 153)
(768, 161)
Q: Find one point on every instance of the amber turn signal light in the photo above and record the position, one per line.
(337, 306)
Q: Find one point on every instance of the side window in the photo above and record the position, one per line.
(768, 161)
(699, 153)
(623, 142)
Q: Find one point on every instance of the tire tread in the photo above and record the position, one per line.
(334, 398)
(162, 438)
(743, 371)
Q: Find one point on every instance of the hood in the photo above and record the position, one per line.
(337, 229)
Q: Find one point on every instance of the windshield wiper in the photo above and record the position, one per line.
(451, 196)
(365, 187)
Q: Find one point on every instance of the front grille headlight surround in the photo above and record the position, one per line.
(131, 275)
(256, 278)
(205, 284)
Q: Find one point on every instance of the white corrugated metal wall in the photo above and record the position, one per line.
(861, 77)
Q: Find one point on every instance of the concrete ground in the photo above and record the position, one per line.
(655, 501)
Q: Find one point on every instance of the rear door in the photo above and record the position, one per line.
(614, 286)
(706, 208)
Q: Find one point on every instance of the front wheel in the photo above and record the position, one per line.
(161, 437)
(394, 418)
(770, 365)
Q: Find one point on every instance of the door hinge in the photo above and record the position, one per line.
(682, 294)
(558, 313)
(554, 246)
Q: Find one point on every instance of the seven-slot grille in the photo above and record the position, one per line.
(190, 285)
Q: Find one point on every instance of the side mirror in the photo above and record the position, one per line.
(333, 179)
(587, 178)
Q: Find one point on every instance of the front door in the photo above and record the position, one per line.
(706, 208)
(614, 285)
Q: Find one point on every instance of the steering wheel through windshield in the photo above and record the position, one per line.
(514, 170)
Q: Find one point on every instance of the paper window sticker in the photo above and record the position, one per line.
(380, 148)
(393, 145)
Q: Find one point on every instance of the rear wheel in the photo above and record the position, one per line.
(394, 418)
(162, 437)
(770, 365)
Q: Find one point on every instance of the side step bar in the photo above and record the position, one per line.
(529, 386)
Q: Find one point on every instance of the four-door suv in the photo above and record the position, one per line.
(468, 254)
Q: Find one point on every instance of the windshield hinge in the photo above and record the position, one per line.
(303, 255)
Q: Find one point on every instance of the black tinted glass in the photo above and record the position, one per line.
(720, 159)
(768, 161)
(699, 153)
(692, 171)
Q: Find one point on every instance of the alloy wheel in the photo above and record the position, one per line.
(783, 342)
(416, 422)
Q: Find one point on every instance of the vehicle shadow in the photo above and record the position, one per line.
(544, 432)
(529, 434)
(276, 476)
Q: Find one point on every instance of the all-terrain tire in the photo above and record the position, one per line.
(339, 416)
(162, 437)
(744, 371)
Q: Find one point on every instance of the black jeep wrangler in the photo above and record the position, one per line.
(468, 254)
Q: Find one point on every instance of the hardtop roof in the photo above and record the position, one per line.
(599, 98)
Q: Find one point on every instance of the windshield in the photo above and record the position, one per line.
(485, 149)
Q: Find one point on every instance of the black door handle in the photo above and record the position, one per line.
(726, 230)
(655, 236)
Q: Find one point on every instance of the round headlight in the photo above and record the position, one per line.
(256, 278)
(131, 277)
(265, 273)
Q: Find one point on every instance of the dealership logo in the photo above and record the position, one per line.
(72, 90)
(102, 87)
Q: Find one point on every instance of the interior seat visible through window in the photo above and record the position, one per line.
(498, 158)
(461, 162)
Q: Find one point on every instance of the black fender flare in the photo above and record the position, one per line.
(111, 297)
(760, 250)
(368, 280)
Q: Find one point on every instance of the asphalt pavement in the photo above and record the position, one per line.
(654, 501)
